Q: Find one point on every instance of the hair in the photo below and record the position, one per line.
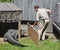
(36, 6)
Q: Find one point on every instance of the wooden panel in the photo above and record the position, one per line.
(25, 10)
(33, 34)
(9, 7)
(19, 3)
(29, 12)
(28, 7)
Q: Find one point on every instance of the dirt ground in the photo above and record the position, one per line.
(49, 36)
(1, 39)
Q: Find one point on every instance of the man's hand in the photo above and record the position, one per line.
(32, 25)
(35, 23)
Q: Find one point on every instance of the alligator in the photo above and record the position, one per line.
(12, 36)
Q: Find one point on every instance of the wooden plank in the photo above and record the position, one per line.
(9, 7)
(19, 27)
(33, 34)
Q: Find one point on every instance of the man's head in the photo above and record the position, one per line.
(36, 7)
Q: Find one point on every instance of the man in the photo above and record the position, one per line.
(42, 20)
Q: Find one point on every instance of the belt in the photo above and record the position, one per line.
(46, 19)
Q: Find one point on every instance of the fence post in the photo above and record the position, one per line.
(19, 27)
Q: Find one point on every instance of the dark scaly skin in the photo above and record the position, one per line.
(11, 36)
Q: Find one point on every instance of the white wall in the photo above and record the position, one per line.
(28, 9)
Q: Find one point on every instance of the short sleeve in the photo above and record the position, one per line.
(48, 10)
(37, 16)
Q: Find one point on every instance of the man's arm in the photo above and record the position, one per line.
(37, 19)
(49, 12)
(35, 23)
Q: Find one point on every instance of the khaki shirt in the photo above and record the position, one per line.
(42, 13)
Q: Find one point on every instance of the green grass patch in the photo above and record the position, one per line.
(43, 45)
(6, 1)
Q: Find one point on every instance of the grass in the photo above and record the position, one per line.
(9, 1)
(48, 44)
